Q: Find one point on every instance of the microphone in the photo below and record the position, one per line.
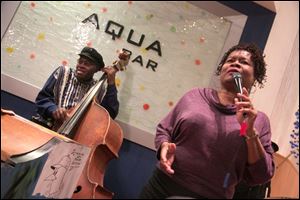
(237, 77)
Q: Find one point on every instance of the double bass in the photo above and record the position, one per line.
(91, 125)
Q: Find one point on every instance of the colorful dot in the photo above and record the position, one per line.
(146, 106)
(197, 62)
(32, 4)
(173, 29)
(64, 63)
(202, 39)
(118, 82)
(170, 103)
(143, 51)
(142, 88)
(32, 56)
(103, 10)
(9, 50)
(129, 2)
(41, 36)
(89, 44)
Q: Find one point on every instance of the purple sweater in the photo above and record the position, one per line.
(209, 147)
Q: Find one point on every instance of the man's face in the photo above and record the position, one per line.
(85, 69)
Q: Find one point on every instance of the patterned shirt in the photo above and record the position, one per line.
(63, 89)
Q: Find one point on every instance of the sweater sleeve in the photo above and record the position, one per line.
(45, 101)
(263, 170)
(169, 127)
(110, 101)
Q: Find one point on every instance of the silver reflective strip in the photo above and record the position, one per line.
(35, 153)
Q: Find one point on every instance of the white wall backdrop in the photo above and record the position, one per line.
(44, 35)
(280, 96)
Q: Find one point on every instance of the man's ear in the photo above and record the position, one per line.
(98, 69)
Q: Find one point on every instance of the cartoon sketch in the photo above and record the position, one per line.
(56, 178)
(62, 171)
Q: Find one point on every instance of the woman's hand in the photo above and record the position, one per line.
(245, 109)
(167, 156)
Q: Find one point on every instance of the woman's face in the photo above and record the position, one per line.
(238, 61)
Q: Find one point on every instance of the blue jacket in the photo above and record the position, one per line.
(62, 89)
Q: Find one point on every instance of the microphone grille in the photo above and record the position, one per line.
(236, 75)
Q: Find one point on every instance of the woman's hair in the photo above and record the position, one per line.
(257, 58)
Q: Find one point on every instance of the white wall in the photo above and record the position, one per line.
(280, 96)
